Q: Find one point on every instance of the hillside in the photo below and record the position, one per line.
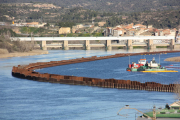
(110, 6)
(43, 12)
(160, 19)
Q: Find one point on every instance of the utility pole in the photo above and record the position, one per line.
(32, 39)
(154, 112)
(159, 58)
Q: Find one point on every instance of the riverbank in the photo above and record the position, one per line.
(20, 54)
(173, 59)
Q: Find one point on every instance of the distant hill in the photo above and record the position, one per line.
(50, 13)
(110, 6)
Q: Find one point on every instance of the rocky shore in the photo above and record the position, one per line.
(174, 59)
(20, 54)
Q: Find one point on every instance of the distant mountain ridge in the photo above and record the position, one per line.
(110, 6)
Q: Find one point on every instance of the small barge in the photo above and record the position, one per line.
(144, 66)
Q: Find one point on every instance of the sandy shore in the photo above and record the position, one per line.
(174, 59)
(19, 54)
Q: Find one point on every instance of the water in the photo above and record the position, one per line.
(25, 99)
(116, 68)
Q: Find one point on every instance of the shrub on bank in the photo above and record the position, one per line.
(12, 46)
(3, 51)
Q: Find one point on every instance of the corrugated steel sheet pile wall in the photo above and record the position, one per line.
(26, 72)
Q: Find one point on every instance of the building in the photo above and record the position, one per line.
(131, 32)
(173, 32)
(127, 27)
(101, 24)
(178, 38)
(140, 30)
(33, 24)
(175, 105)
(108, 31)
(150, 26)
(64, 30)
(79, 26)
(124, 17)
(118, 32)
(87, 25)
(147, 33)
(139, 26)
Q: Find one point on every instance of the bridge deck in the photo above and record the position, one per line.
(91, 38)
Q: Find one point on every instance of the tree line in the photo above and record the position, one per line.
(161, 19)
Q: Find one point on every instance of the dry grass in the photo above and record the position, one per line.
(4, 51)
(19, 54)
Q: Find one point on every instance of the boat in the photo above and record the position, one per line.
(144, 66)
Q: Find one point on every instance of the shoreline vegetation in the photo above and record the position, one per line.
(21, 54)
(173, 59)
(10, 48)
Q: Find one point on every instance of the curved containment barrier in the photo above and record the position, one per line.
(27, 72)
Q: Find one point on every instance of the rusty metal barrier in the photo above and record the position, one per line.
(26, 72)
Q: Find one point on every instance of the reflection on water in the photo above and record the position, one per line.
(26, 99)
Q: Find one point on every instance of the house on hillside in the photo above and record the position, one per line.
(140, 30)
(88, 25)
(150, 26)
(74, 28)
(173, 32)
(178, 38)
(131, 32)
(147, 33)
(165, 32)
(127, 27)
(101, 24)
(139, 26)
(124, 17)
(35, 24)
(32, 24)
(79, 26)
(64, 30)
(108, 31)
(118, 32)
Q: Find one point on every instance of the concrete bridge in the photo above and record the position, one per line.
(128, 42)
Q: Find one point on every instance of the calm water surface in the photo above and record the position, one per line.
(22, 99)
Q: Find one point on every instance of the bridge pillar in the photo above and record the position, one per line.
(151, 44)
(43, 45)
(87, 45)
(172, 44)
(108, 45)
(129, 44)
(65, 45)
(177, 47)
